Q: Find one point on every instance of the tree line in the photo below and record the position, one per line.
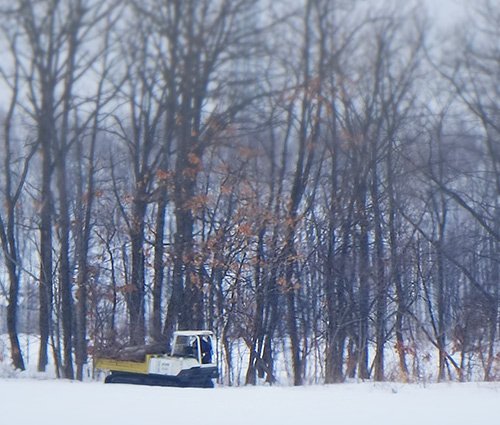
(316, 179)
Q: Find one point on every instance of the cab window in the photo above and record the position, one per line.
(184, 347)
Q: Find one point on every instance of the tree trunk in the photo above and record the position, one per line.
(364, 288)
(8, 232)
(158, 265)
(64, 269)
(135, 297)
(258, 320)
(395, 265)
(45, 136)
(10, 252)
(381, 286)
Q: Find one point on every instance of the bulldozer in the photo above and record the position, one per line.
(190, 363)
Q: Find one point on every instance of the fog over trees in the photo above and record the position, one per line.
(314, 180)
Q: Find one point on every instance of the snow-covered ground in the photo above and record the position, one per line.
(51, 402)
(30, 397)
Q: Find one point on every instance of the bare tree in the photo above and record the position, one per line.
(14, 181)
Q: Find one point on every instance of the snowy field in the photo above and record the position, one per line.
(51, 402)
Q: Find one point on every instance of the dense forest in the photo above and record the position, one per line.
(314, 179)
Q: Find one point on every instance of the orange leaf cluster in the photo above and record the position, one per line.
(194, 159)
(245, 229)
(163, 175)
(127, 289)
(196, 203)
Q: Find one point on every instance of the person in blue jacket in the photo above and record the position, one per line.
(206, 350)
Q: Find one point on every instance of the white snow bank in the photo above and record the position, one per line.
(28, 402)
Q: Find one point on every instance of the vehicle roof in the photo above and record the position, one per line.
(190, 333)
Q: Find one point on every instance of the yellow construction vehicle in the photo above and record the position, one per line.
(191, 363)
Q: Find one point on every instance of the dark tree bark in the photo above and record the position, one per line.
(141, 133)
(308, 134)
(8, 225)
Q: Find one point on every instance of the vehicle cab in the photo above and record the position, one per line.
(195, 344)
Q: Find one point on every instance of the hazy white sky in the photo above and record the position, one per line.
(447, 11)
